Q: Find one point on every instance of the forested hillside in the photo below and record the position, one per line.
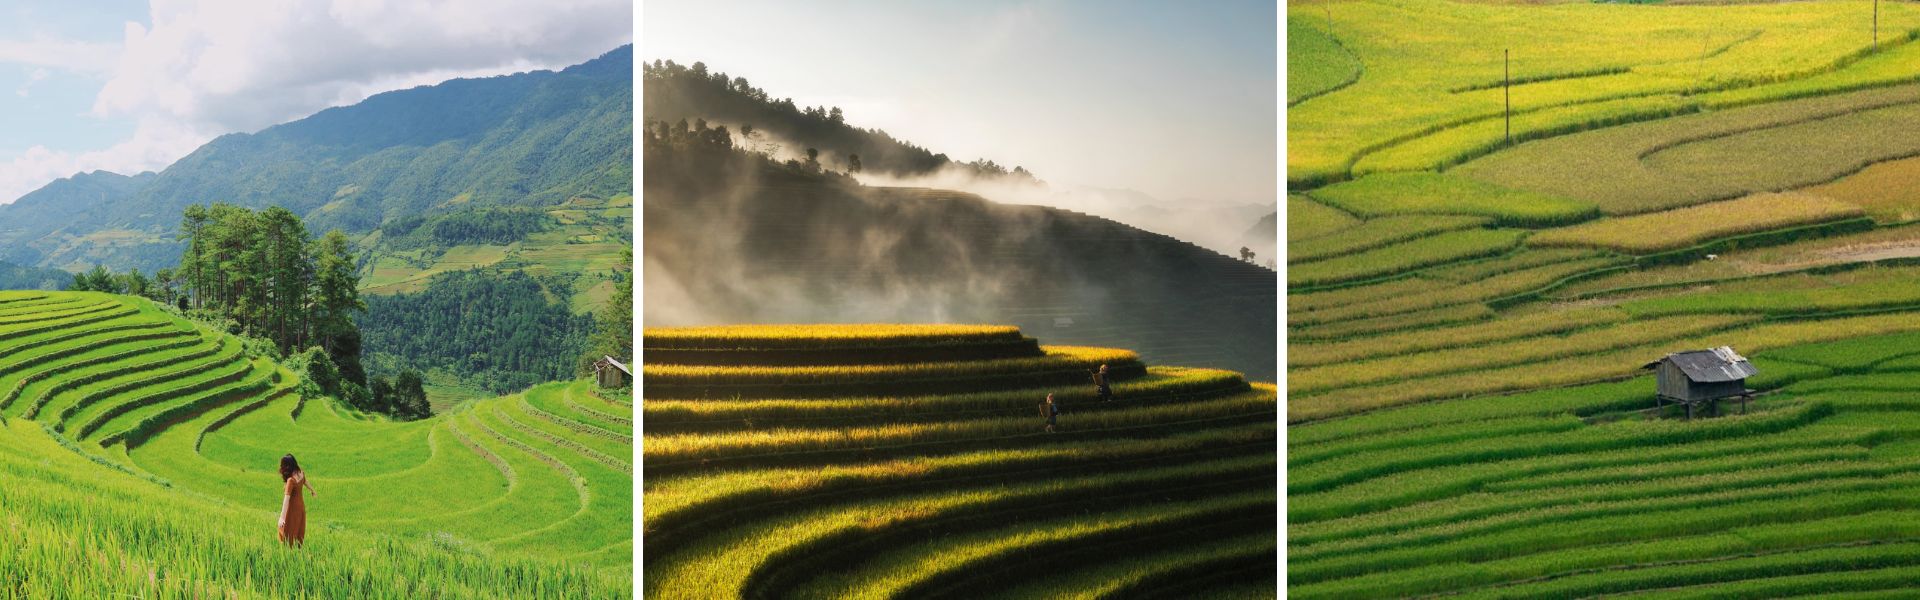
(16, 277)
(527, 139)
(678, 93)
(500, 331)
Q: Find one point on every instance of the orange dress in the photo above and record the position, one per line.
(293, 522)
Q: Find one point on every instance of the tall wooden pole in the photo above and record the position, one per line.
(1876, 24)
(1506, 85)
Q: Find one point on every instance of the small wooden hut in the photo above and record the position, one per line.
(611, 374)
(1702, 377)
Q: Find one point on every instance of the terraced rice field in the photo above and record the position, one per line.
(1480, 425)
(180, 430)
(896, 482)
(1579, 491)
(1439, 102)
(1683, 227)
(1717, 155)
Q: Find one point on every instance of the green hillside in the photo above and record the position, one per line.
(114, 397)
(527, 173)
(529, 139)
(879, 461)
(17, 277)
(1472, 419)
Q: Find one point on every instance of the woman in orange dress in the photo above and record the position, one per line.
(293, 509)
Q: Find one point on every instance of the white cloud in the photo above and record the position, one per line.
(241, 65)
(154, 145)
(38, 75)
(205, 68)
(69, 55)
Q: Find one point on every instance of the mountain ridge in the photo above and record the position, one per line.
(525, 139)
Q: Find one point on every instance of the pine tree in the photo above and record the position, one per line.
(336, 297)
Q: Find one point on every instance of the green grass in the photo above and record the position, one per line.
(1390, 194)
(1430, 94)
(1324, 66)
(1309, 219)
(1436, 249)
(1693, 159)
(148, 541)
(1692, 225)
(1596, 366)
(1375, 233)
(162, 415)
(1307, 380)
(1894, 288)
(1373, 302)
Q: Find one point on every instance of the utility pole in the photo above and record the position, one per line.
(1329, 6)
(1876, 24)
(1506, 85)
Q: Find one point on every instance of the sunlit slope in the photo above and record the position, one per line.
(541, 478)
(1429, 91)
(910, 461)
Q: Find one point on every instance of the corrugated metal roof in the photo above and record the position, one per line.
(616, 364)
(1713, 365)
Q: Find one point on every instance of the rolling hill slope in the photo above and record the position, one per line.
(884, 461)
(524, 494)
(734, 237)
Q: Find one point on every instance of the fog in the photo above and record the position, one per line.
(1177, 101)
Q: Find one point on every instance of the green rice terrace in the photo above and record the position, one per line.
(910, 461)
(1468, 318)
(138, 452)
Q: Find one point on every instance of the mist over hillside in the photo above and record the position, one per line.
(737, 236)
(774, 126)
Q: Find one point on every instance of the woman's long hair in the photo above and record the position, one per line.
(288, 466)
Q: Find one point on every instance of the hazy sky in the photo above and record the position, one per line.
(1175, 99)
(132, 85)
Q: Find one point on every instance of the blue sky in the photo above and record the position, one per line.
(47, 105)
(133, 85)
(1176, 99)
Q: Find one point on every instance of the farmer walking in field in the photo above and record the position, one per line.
(1100, 387)
(293, 509)
(1049, 410)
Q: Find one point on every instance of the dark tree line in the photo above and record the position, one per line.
(21, 277)
(677, 91)
(485, 226)
(266, 273)
(497, 329)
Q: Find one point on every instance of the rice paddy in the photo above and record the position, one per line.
(1683, 227)
(125, 423)
(1440, 194)
(902, 490)
(1603, 64)
(1481, 425)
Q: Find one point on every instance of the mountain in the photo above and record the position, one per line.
(16, 277)
(735, 236)
(1263, 238)
(677, 93)
(57, 211)
(528, 139)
